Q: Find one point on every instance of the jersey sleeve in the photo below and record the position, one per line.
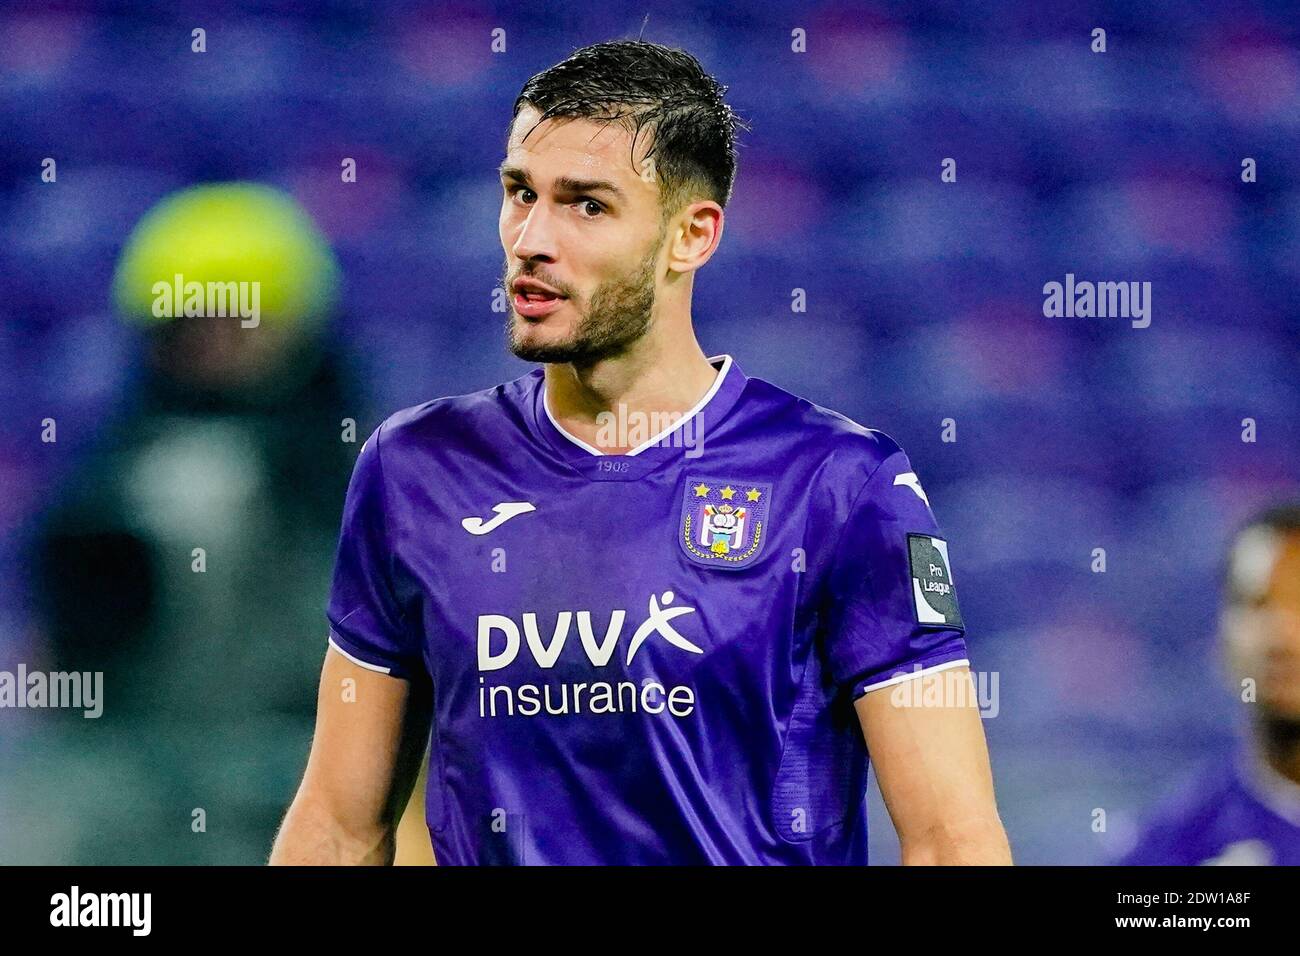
(365, 614)
(893, 608)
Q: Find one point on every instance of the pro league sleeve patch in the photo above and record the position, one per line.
(933, 595)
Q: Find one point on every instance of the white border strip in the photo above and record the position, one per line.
(922, 672)
(648, 443)
(359, 663)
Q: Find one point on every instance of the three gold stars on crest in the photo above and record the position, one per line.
(702, 491)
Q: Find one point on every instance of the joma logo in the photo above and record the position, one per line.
(598, 652)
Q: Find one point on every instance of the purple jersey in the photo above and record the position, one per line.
(1244, 814)
(643, 658)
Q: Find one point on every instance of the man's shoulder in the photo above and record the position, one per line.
(482, 414)
(1202, 789)
(1181, 823)
(836, 438)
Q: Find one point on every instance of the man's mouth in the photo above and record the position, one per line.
(536, 304)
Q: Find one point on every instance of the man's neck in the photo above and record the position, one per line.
(647, 380)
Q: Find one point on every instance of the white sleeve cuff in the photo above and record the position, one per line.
(356, 660)
(899, 678)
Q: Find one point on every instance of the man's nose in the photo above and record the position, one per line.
(536, 237)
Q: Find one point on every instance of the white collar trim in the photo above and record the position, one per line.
(649, 442)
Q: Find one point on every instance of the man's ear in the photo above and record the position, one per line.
(696, 232)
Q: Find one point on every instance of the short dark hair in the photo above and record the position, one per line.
(646, 85)
(1282, 518)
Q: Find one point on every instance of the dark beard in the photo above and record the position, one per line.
(1282, 734)
(619, 314)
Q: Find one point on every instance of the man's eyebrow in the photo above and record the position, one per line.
(566, 184)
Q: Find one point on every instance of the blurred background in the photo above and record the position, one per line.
(924, 303)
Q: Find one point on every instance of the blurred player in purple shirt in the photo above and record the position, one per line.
(1248, 812)
(640, 607)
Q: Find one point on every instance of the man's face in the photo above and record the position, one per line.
(1262, 629)
(577, 217)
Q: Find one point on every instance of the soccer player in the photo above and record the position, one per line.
(1247, 811)
(643, 608)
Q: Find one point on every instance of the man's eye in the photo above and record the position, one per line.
(516, 190)
(591, 208)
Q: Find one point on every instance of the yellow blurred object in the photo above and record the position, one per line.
(229, 232)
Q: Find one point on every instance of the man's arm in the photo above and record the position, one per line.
(933, 766)
(371, 735)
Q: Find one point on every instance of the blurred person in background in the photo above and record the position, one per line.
(1248, 812)
(189, 559)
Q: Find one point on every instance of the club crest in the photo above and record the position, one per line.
(723, 522)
